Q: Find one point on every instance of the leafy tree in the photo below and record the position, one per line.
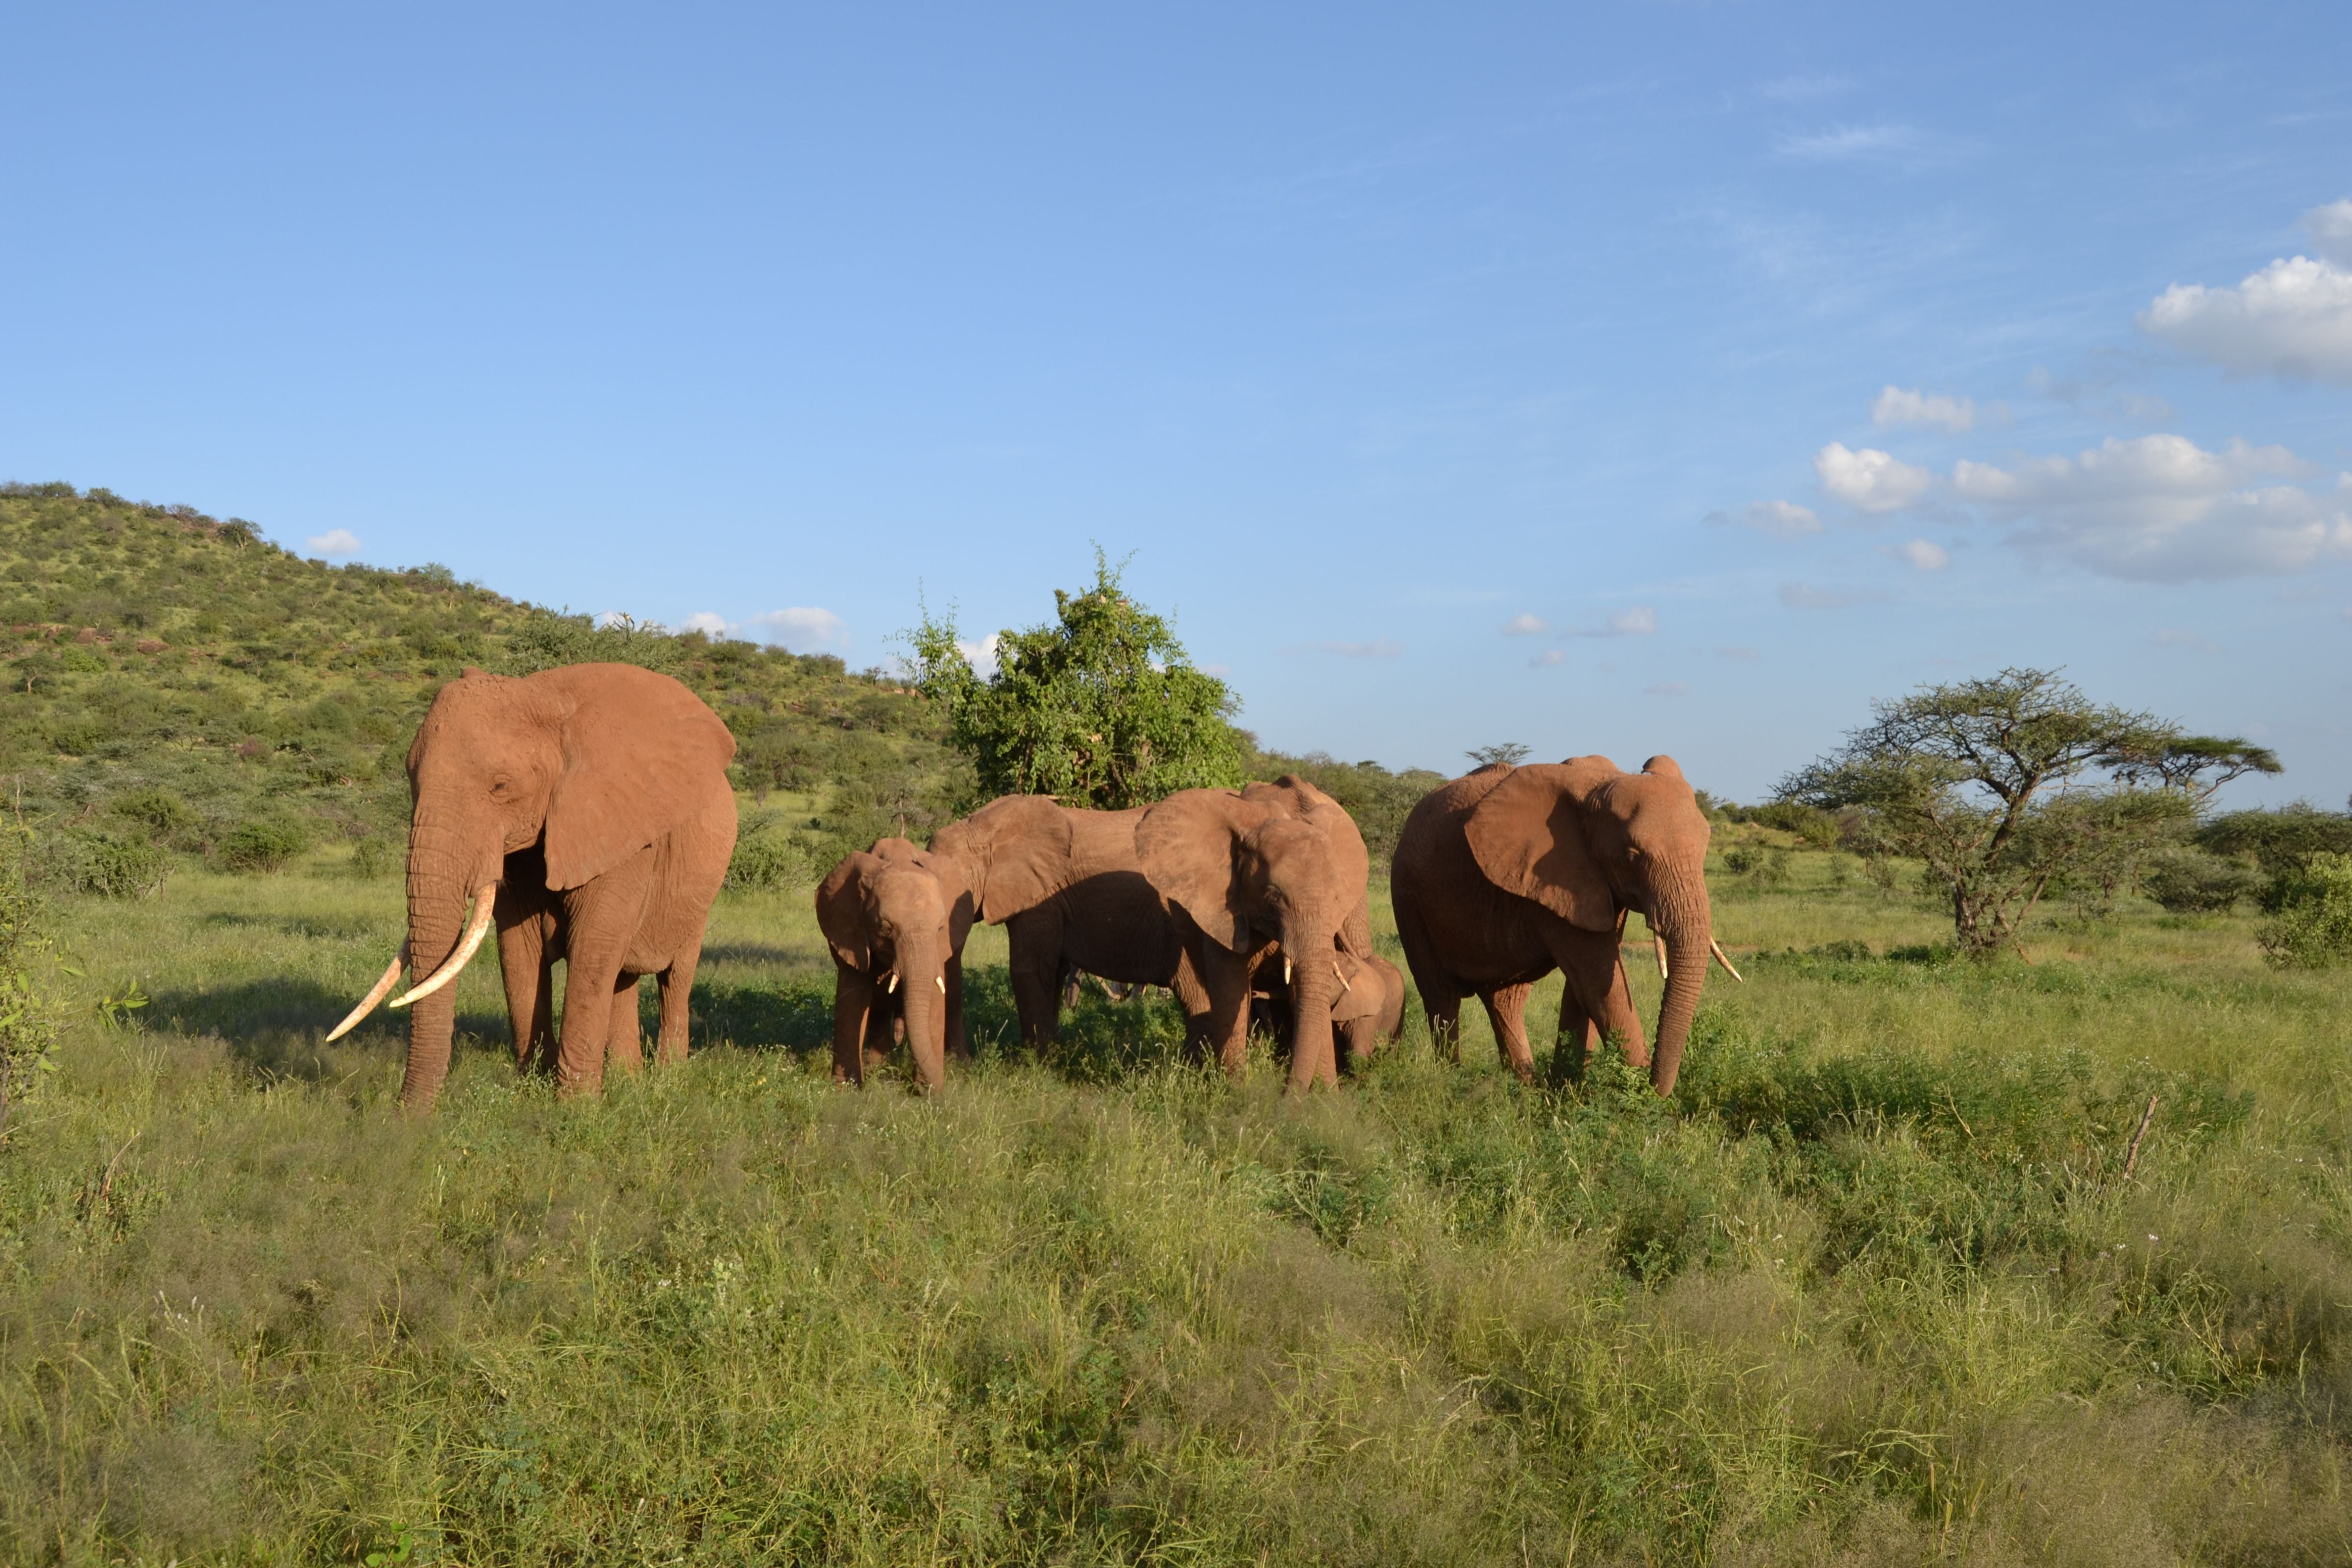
(2310, 925)
(2004, 785)
(1510, 752)
(1100, 708)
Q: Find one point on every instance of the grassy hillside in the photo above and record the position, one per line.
(175, 680)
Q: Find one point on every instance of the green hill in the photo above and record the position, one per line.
(179, 686)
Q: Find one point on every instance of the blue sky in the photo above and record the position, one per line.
(1622, 378)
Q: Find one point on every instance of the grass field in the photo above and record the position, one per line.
(1872, 1288)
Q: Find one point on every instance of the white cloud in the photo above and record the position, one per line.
(709, 623)
(2160, 507)
(982, 655)
(1525, 625)
(1668, 689)
(1804, 597)
(1633, 621)
(1779, 519)
(1925, 554)
(1544, 660)
(2173, 636)
(2331, 231)
(1897, 408)
(334, 545)
(1379, 648)
(803, 628)
(2291, 319)
(1870, 480)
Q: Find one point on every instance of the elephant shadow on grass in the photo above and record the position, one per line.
(1100, 1040)
(277, 1028)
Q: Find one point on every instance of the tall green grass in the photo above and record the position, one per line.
(1874, 1288)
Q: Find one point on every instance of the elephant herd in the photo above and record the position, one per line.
(586, 813)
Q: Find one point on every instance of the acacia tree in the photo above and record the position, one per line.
(1099, 708)
(2000, 786)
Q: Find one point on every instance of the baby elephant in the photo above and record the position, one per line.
(896, 917)
(1367, 1013)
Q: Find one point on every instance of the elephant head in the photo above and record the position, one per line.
(591, 762)
(1279, 864)
(897, 915)
(1014, 852)
(1588, 842)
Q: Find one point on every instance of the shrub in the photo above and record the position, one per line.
(371, 859)
(109, 865)
(2279, 840)
(2312, 928)
(766, 861)
(1766, 868)
(263, 844)
(27, 1030)
(2190, 881)
(163, 816)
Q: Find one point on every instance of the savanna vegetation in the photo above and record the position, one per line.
(1908, 1270)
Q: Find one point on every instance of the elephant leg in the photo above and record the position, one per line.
(1444, 1010)
(1507, 1011)
(1036, 942)
(885, 1027)
(1594, 972)
(1358, 1039)
(1225, 1027)
(853, 999)
(1579, 1034)
(958, 1042)
(624, 1036)
(521, 970)
(676, 991)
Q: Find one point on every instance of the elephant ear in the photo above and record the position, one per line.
(640, 755)
(1012, 852)
(1528, 837)
(1186, 846)
(1366, 989)
(841, 907)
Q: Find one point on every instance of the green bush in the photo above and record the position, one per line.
(27, 1028)
(2279, 840)
(371, 858)
(1765, 866)
(263, 844)
(163, 815)
(2311, 925)
(2191, 882)
(109, 865)
(766, 861)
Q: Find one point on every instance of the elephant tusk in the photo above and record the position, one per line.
(941, 981)
(892, 988)
(367, 1003)
(1341, 976)
(1719, 958)
(1659, 942)
(485, 906)
(1285, 970)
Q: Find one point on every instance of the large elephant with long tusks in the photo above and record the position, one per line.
(585, 812)
(1506, 874)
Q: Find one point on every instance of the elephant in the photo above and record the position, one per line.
(1067, 886)
(1506, 874)
(895, 918)
(1273, 872)
(586, 811)
(1366, 1012)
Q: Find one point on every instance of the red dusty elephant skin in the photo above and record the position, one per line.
(1068, 887)
(895, 918)
(586, 811)
(1506, 874)
(1277, 871)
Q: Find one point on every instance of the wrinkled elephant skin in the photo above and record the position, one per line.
(1506, 874)
(590, 805)
(1273, 872)
(895, 918)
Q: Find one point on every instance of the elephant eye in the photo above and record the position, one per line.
(501, 789)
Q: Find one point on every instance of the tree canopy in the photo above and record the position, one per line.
(1100, 707)
(2005, 785)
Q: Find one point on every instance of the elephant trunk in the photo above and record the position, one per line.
(442, 874)
(1311, 953)
(1682, 919)
(921, 968)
